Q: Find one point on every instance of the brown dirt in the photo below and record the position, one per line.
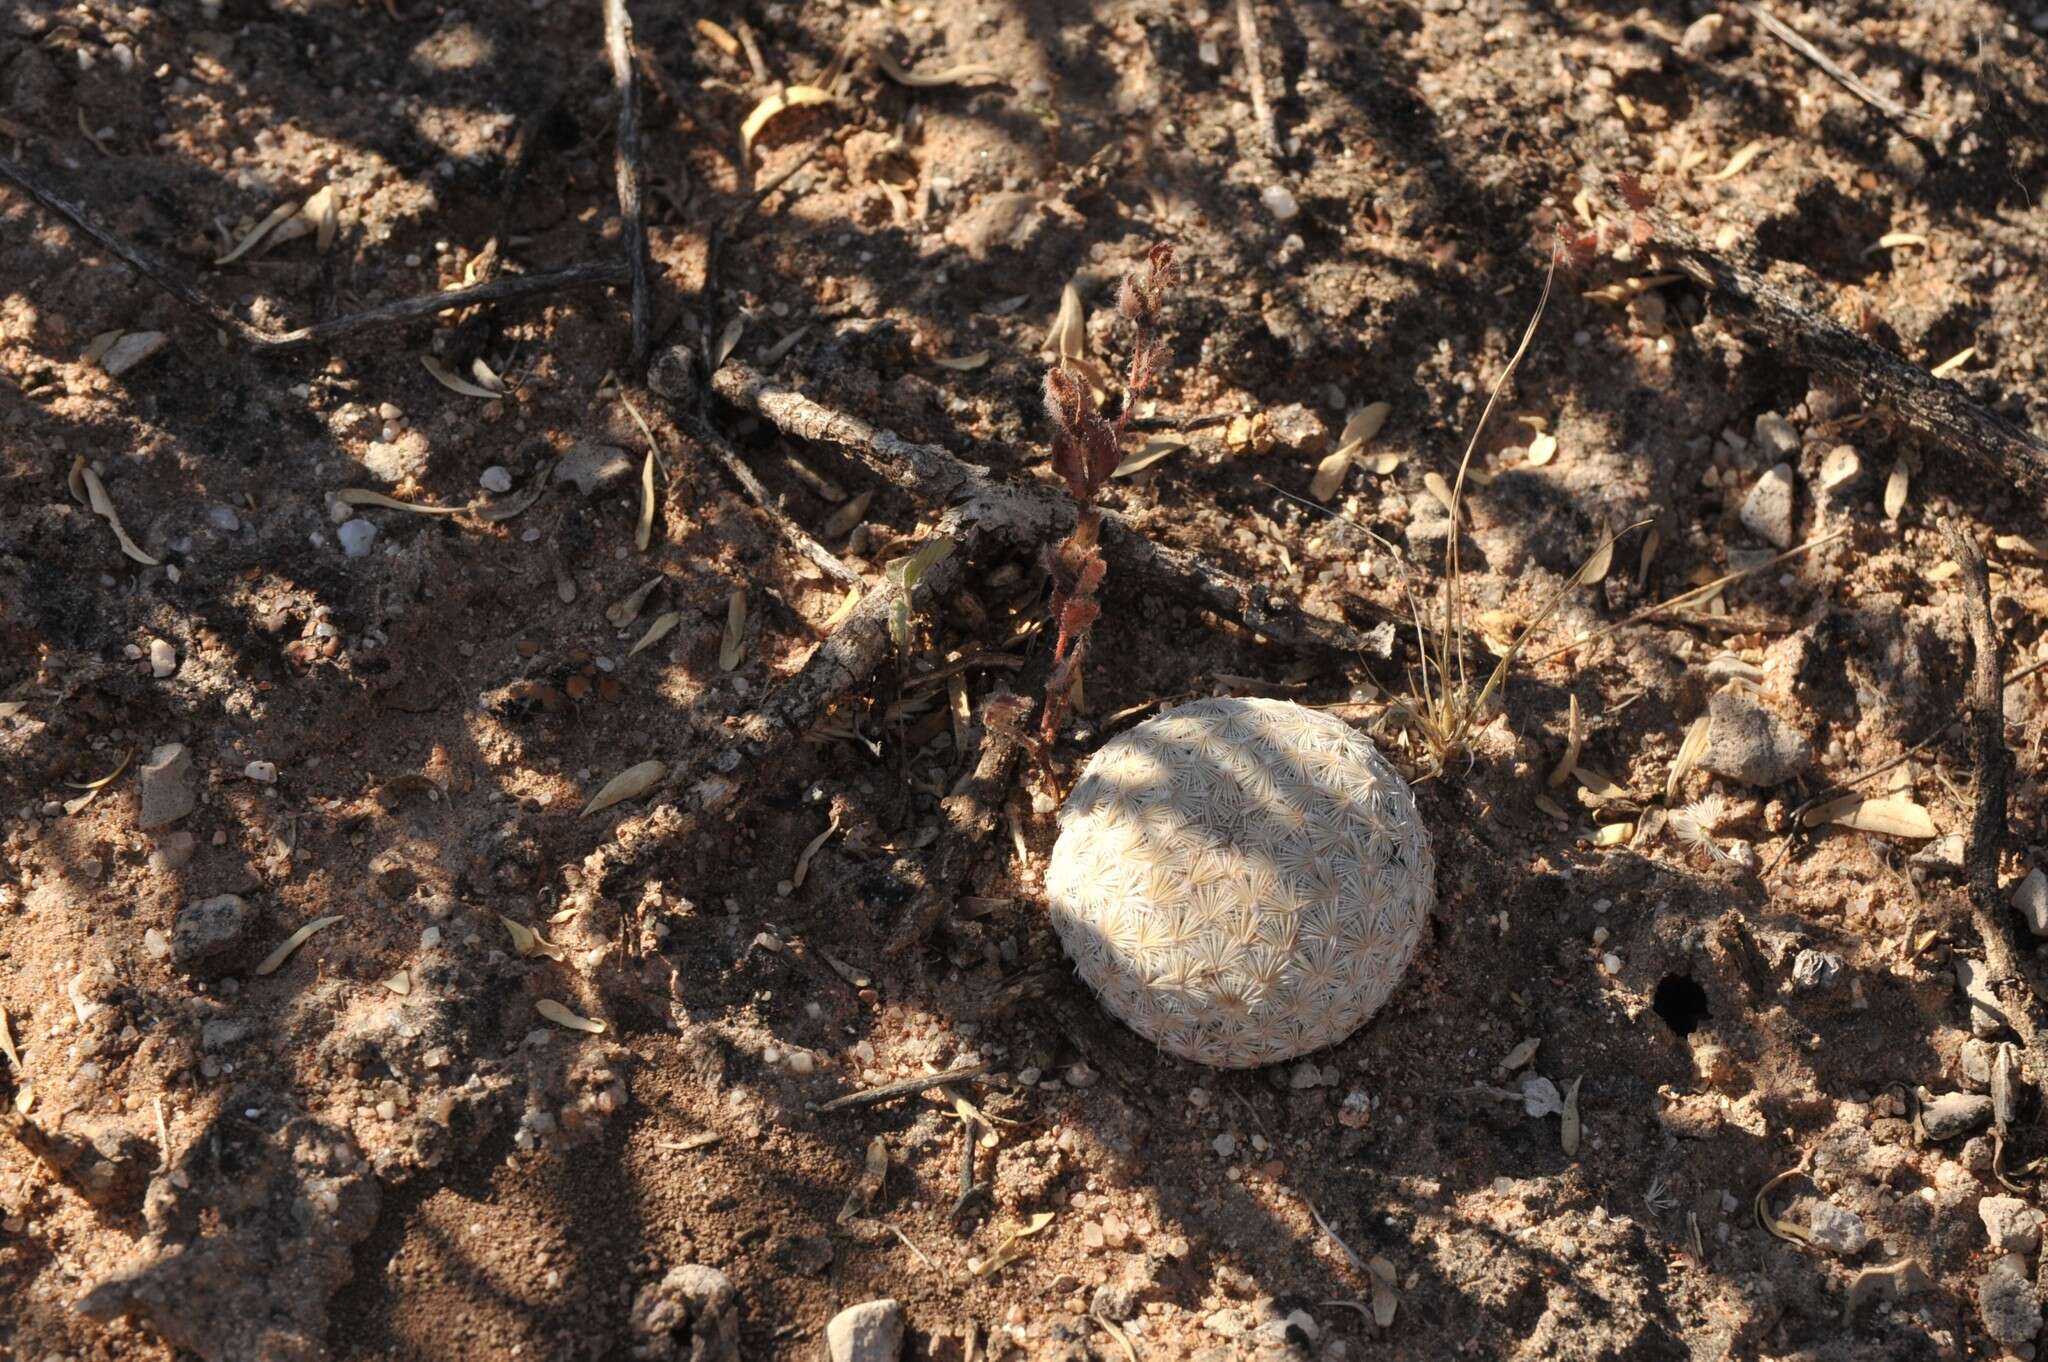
(354, 1172)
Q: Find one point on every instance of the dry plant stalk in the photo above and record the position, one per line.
(1086, 448)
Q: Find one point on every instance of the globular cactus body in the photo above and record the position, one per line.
(1241, 881)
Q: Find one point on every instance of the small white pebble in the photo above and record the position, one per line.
(1611, 963)
(496, 478)
(1280, 202)
(163, 658)
(262, 772)
(801, 1063)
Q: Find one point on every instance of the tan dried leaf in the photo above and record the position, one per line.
(1568, 1135)
(952, 75)
(7, 1042)
(1441, 490)
(1329, 475)
(874, 1172)
(718, 34)
(1953, 362)
(657, 631)
(400, 983)
(87, 487)
(1942, 571)
(92, 788)
(256, 234)
(363, 496)
(1574, 740)
(728, 341)
(526, 941)
(626, 608)
(1614, 834)
(2022, 545)
(1513, 1061)
(1891, 815)
(323, 210)
(1542, 449)
(732, 647)
(630, 783)
(25, 1098)
(1385, 1299)
(1157, 448)
(803, 860)
(562, 1016)
(1689, 753)
(1895, 489)
(1893, 240)
(1599, 784)
(291, 943)
(487, 378)
(1068, 338)
(963, 363)
(643, 532)
(796, 96)
(842, 521)
(1012, 1248)
(1739, 162)
(1602, 561)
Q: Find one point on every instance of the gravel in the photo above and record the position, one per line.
(869, 1332)
(2011, 1224)
(1749, 743)
(211, 927)
(356, 537)
(164, 787)
(1768, 509)
(2006, 1301)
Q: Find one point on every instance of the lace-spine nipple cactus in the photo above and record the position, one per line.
(1241, 881)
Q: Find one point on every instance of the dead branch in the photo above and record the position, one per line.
(908, 1087)
(395, 313)
(1792, 38)
(1936, 408)
(1028, 517)
(1255, 76)
(1986, 710)
(618, 42)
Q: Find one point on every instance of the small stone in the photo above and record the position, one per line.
(1704, 37)
(1298, 430)
(356, 536)
(1953, 1113)
(155, 944)
(1280, 202)
(223, 518)
(496, 478)
(1224, 1144)
(1837, 1229)
(1815, 970)
(131, 350)
(210, 927)
(1767, 510)
(1114, 1301)
(2013, 1225)
(262, 772)
(593, 466)
(394, 461)
(2031, 898)
(173, 852)
(1987, 1015)
(1305, 1075)
(1356, 1112)
(1747, 742)
(163, 787)
(1943, 853)
(163, 658)
(802, 1063)
(1079, 1075)
(1840, 466)
(2007, 1303)
(1973, 1064)
(690, 1315)
(1777, 437)
(869, 1332)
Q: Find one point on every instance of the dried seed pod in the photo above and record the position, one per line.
(1241, 881)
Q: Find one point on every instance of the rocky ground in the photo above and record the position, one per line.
(339, 1025)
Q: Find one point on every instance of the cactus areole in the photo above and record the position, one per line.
(1241, 881)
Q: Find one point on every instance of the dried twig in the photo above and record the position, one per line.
(394, 313)
(1027, 517)
(1986, 711)
(908, 1087)
(1255, 76)
(1936, 408)
(618, 42)
(722, 450)
(1791, 37)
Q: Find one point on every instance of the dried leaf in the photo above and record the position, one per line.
(562, 1016)
(1385, 1300)
(293, 942)
(487, 378)
(1068, 338)
(400, 983)
(1893, 240)
(1542, 449)
(859, 978)
(2021, 545)
(363, 496)
(1598, 784)
(1614, 834)
(1569, 1135)
(1895, 489)
(1157, 448)
(1012, 1248)
(718, 34)
(10, 708)
(87, 487)
(803, 860)
(626, 608)
(1574, 739)
(25, 1098)
(96, 349)
(728, 340)
(643, 533)
(1383, 463)
(1441, 490)
(1329, 475)
(323, 211)
(842, 521)
(952, 75)
(518, 503)
(874, 1172)
(7, 1042)
(1944, 570)
(92, 788)
(796, 96)
(1689, 753)
(1892, 815)
(455, 382)
(657, 631)
(526, 941)
(1513, 1061)
(1552, 807)
(1602, 561)
(1953, 363)
(256, 234)
(733, 646)
(1739, 162)
(630, 783)
(1364, 424)
(963, 362)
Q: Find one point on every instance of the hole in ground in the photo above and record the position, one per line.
(1681, 1002)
